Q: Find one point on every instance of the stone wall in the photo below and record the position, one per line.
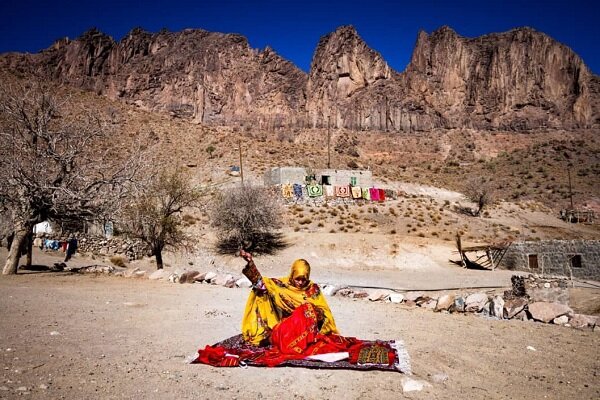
(579, 258)
(98, 245)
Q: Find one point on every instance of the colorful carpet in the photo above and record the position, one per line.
(235, 352)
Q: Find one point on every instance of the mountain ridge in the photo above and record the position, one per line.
(519, 80)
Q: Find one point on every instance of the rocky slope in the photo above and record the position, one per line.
(518, 80)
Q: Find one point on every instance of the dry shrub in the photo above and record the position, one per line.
(119, 260)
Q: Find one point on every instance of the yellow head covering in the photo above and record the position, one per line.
(300, 269)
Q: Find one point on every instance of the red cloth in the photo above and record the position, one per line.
(381, 194)
(374, 193)
(294, 338)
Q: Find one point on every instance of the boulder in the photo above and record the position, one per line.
(330, 290)
(243, 282)
(430, 304)
(581, 321)
(475, 302)
(562, 320)
(396, 298)
(546, 312)
(188, 277)
(459, 305)
(497, 307)
(444, 302)
(379, 295)
(514, 306)
(222, 280)
(130, 272)
(209, 277)
(549, 295)
(360, 294)
(139, 274)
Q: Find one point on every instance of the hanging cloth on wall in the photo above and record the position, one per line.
(366, 194)
(356, 192)
(374, 194)
(329, 190)
(298, 191)
(381, 194)
(287, 191)
(315, 190)
(342, 191)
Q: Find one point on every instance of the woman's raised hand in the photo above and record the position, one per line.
(245, 255)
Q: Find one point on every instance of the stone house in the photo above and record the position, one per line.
(576, 258)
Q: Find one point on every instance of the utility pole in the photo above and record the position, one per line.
(570, 188)
(328, 141)
(241, 166)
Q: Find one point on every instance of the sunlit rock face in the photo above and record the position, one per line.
(516, 80)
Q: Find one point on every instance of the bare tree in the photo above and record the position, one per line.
(480, 192)
(247, 217)
(154, 215)
(54, 162)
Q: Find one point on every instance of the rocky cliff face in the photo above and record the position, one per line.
(518, 80)
(521, 79)
(208, 77)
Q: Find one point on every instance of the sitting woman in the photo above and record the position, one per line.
(273, 300)
(288, 320)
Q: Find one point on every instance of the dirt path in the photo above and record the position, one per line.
(72, 336)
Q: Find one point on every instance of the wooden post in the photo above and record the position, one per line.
(328, 141)
(241, 166)
(570, 188)
(491, 257)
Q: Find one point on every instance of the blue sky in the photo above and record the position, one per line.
(293, 28)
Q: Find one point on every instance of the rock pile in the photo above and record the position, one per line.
(522, 302)
(100, 246)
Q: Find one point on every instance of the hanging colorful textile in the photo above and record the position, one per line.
(381, 194)
(366, 194)
(329, 190)
(374, 194)
(315, 190)
(342, 191)
(298, 191)
(287, 190)
(356, 192)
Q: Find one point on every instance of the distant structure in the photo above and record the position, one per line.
(334, 177)
(573, 258)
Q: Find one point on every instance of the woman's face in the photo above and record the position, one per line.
(299, 282)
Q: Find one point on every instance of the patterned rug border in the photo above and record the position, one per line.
(402, 365)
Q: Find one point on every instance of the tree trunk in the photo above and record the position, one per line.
(29, 244)
(159, 260)
(12, 261)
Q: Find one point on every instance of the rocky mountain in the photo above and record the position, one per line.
(517, 80)
(212, 78)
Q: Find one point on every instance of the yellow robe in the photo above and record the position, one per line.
(264, 310)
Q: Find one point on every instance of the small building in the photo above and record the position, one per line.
(576, 258)
(282, 175)
(334, 177)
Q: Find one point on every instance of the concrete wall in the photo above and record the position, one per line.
(341, 177)
(556, 257)
(338, 177)
(281, 175)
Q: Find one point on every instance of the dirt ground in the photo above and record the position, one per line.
(101, 337)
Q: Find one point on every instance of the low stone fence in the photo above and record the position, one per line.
(97, 245)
